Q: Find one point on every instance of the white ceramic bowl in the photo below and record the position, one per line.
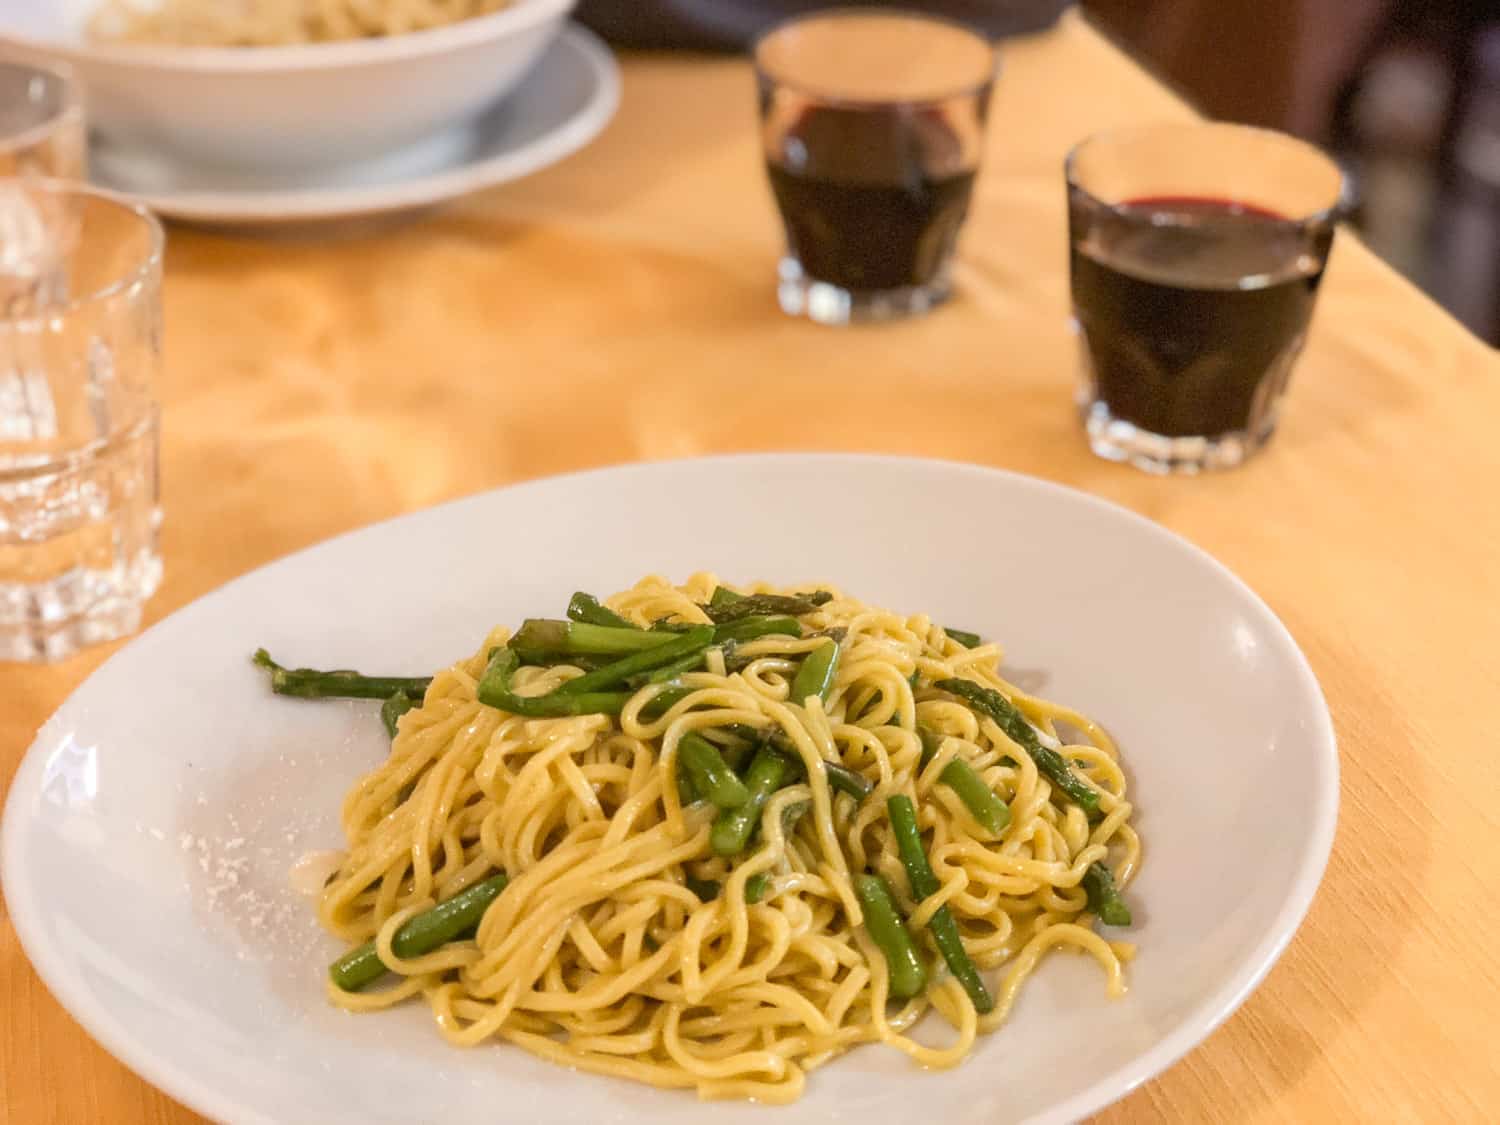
(288, 107)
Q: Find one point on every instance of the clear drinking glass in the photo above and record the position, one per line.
(1196, 253)
(80, 342)
(41, 122)
(872, 123)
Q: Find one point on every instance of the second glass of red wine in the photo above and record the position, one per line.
(872, 122)
(1196, 254)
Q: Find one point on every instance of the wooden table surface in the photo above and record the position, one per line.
(619, 307)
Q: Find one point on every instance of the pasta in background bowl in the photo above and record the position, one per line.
(296, 105)
(273, 23)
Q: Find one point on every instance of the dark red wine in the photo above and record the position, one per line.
(861, 206)
(1191, 322)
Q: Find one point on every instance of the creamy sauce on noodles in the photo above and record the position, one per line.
(597, 955)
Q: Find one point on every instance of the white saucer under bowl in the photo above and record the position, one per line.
(561, 105)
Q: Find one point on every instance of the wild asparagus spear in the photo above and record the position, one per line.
(540, 638)
(1049, 762)
(689, 663)
(588, 610)
(737, 754)
(755, 887)
(1104, 896)
(768, 772)
(494, 690)
(422, 934)
(964, 637)
(908, 975)
(839, 777)
(309, 683)
(749, 628)
(759, 605)
(740, 629)
(711, 777)
(819, 669)
(981, 801)
(687, 792)
(722, 596)
(924, 884)
(664, 700)
(551, 660)
(847, 781)
(615, 674)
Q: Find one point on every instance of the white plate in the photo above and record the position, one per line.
(557, 109)
(149, 830)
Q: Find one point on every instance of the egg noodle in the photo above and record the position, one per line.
(273, 23)
(599, 955)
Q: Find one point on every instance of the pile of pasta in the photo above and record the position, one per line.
(712, 837)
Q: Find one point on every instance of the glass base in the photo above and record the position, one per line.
(50, 621)
(1117, 440)
(826, 303)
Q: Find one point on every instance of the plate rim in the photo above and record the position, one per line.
(157, 1069)
(279, 205)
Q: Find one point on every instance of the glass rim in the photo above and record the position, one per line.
(864, 11)
(71, 109)
(147, 265)
(1333, 213)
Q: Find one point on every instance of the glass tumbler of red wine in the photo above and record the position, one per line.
(872, 121)
(1196, 252)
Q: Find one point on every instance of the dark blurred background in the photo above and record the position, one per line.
(1405, 92)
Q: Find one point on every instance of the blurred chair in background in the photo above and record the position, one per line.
(1405, 92)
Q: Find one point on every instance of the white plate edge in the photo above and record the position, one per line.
(1197, 1026)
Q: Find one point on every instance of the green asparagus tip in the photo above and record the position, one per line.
(540, 635)
(589, 610)
(1104, 896)
(816, 676)
(422, 934)
(760, 605)
(887, 929)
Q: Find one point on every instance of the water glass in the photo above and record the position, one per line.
(80, 342)
(41, 122)
(1196, 254)
(872, 124)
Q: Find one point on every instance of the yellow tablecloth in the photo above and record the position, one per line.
(620, 307)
